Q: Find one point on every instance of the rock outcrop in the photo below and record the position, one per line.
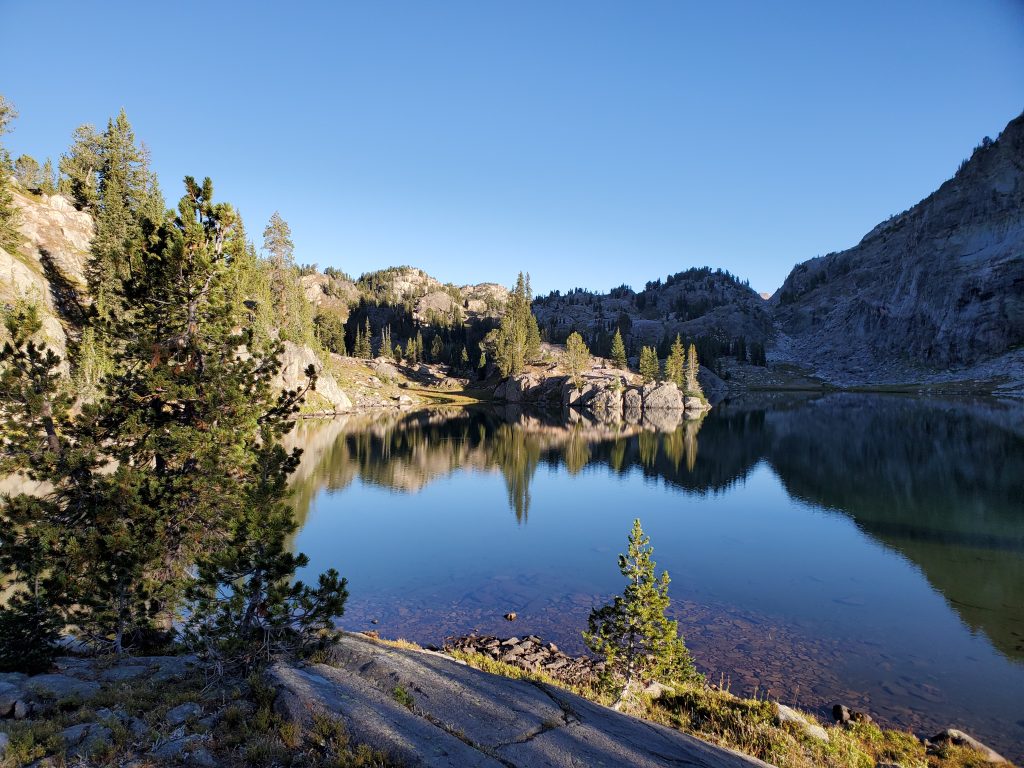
(328, 397)
(939, 287)
(49, 268)
(607, 394)
(425, 709)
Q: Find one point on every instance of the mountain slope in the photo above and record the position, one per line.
(693, 303)
(938, 289)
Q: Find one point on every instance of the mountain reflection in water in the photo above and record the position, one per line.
(939, 484)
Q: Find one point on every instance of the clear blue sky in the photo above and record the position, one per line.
(591, 143)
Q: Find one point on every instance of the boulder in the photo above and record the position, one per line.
(663, 396)
(695, 404)
(5, 743)
(84, 739)
(607, 400)
(9, 695)
(632, 402)
(803, 724)
(960, 739)
(328, 396)
(183, 713)
(62, 687)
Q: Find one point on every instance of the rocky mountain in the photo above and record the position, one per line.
(935, 292)
(698, 302)
(428, 299)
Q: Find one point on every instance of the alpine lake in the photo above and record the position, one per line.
(845, 548)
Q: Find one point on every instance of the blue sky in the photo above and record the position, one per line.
(589, 143)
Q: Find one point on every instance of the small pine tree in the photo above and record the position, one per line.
(48, 182)
(464, 357)
(650, 368)
(632, 633)
(692, 366)
(436, 348)
(362, 347)
(675, 364)
(10, 236)
(27, 171)
(577, 358)
(619, 351)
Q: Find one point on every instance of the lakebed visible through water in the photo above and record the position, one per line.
(862, 549)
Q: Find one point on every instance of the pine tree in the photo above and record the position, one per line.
(127, 203)
(675, 364)
(10, 236)
(245, 606)
(650, 367)
(295, 315)
(692, 385)
(619, 351)
(32, 406)
(517, 339)
(81, 165)
(194, 424)
(190, 424)
(464, 357)
(577, 358)
(368, 340)
(362, 347)
(632, 633)
(436, 348)
(48, 181)
(27, 172)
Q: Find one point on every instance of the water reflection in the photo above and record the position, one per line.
(940, 483)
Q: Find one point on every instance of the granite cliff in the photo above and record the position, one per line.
(934, 293)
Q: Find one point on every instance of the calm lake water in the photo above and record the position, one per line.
(853, 548)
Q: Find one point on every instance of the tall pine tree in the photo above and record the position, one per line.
(675, 363)
(619, 351)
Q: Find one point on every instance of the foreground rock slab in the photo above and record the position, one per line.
(425, 709)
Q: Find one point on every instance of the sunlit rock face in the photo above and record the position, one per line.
(939, 286)
(49, 267)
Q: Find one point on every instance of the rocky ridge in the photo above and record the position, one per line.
(935, 293)
(693, 303)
